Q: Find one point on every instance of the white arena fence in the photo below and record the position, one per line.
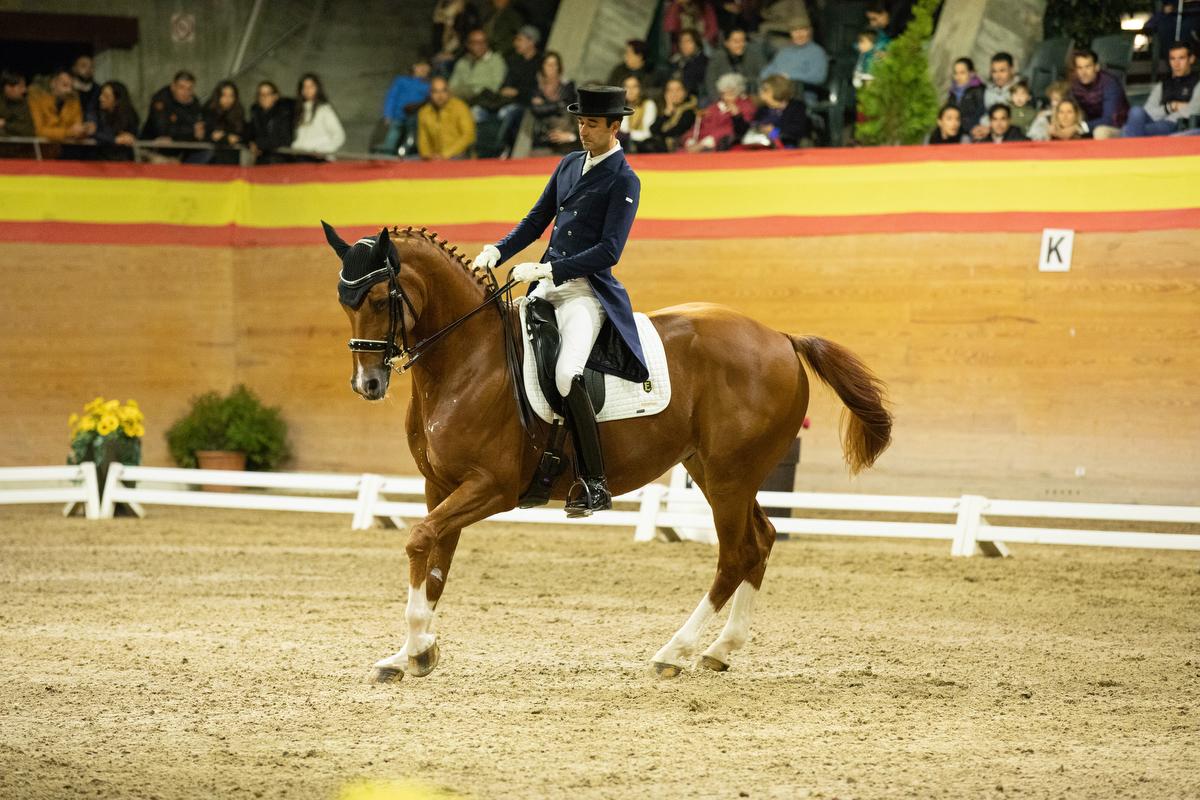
(677, 511)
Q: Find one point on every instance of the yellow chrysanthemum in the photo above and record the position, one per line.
(139, 430)
(132, 429)
(131, 403)
(88, 423)
(112, 405)
(71, 420)
(94, 405)
(108, 423)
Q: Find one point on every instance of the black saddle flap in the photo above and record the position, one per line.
(541, 325)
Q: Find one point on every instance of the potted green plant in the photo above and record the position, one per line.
(232, 432)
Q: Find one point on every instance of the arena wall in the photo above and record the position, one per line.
(1005, 380)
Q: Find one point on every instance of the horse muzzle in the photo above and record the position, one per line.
(370, 383)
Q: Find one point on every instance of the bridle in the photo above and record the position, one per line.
(398, 300)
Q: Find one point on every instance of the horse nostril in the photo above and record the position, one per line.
(371, 385)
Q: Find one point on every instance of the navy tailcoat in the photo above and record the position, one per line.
(592, 215)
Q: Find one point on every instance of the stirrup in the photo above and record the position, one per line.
(588, 495)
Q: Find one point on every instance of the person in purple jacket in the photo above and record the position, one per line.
(592, 199)
(1100, 95)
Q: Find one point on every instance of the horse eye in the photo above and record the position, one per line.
(379, 304)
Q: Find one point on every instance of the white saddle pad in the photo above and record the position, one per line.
(622, 399)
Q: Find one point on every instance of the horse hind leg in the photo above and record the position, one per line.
(736, 632)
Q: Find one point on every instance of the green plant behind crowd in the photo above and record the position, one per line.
(237, 422)
(899, 104)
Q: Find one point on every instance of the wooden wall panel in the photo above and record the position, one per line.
(1005, 381)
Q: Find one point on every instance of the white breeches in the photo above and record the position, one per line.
(579, 317)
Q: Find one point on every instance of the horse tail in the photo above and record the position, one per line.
(868, 431)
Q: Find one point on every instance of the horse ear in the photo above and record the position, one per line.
(379, 252)
(334, 240)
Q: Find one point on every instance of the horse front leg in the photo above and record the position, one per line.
(431, 545)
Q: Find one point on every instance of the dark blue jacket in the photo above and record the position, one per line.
(592, 216)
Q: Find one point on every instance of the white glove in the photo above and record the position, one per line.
(488, 258)
(530, 271)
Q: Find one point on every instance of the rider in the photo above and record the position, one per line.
(592, 198)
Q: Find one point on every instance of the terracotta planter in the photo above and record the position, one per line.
(221, 459)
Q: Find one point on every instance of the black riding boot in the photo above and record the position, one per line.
(590, 493)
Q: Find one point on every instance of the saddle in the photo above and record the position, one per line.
(541, 325)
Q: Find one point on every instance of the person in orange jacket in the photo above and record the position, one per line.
(57, 114)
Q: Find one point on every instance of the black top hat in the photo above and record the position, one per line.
(600, 101)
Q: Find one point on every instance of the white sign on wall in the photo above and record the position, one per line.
(1055, 255)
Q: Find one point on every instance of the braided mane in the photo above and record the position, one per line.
(479, 276)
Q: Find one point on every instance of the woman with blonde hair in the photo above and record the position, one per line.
(1068, 122)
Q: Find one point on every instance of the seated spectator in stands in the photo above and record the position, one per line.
(453, 20)
(677, 117)
(633, 62)
(445, 126)
(734, 56)
(689, 62)
(1039, 129)
(225, 122)
(176, 116)
(998, 90)
(1022, 110)
(57, 114)
(404, 97)
(272, 119)
(949, 127)
(1068, 121)
(879, 19)
(520, 82)
(1169, 24)
(696, 15)
(15, 117)
(746, 14)
(116, 123)
(553, 126)
(776, 20)
(802, 60)
(1171, 102)
(1000, 127)
(317, 127)
(1100, 94)
(502, 25)
(867, 47)
(782, 119)
(83, 80)
(966, 92)
(725, 122)
(478, 76)
(635, 132)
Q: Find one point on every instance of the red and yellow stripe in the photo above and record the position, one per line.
(1104, 186)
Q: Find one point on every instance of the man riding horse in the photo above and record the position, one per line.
(592, 198)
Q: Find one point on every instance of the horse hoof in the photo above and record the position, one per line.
(422, 664)
(663, 670)
(388, 675)
(708, 662)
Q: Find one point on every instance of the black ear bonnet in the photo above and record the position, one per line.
(361, 271)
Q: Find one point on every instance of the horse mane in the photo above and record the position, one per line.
(451, 252)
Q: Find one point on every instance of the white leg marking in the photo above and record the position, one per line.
(419, 616)
(736, 632)
(679, 650)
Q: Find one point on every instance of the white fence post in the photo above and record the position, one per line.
(91, 485)
(651, 504)
(970, 510)
(111, 485)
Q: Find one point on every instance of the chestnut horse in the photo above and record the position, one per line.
(739, 394)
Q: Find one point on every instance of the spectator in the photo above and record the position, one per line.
(445, 126)
(966, 92)
(867, 47)
(271, 124)
(404, 97)
(1170, 23)
(744, 14)
(478, 76)
(83, 74)
(998, 90)
(635, 130)
(1022, 110)
(225, 123)
(776, 20)
(501, 27)
(782, 118)
(879, 19)
(1171, 102)
(116, 123)
(1068, 121)
(725, 122)
(633, 62)
(803, 60)
(689, 62)
(553, 126)
(695, 15)
(317, 127)
(453, 20)
(1100, 94)
(57, 114)
(520, 83)
(677, 117)
(734, 56)
(1039, 129)
(176, 116)
(15, 116)
(1000, 127)
(949, 127)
